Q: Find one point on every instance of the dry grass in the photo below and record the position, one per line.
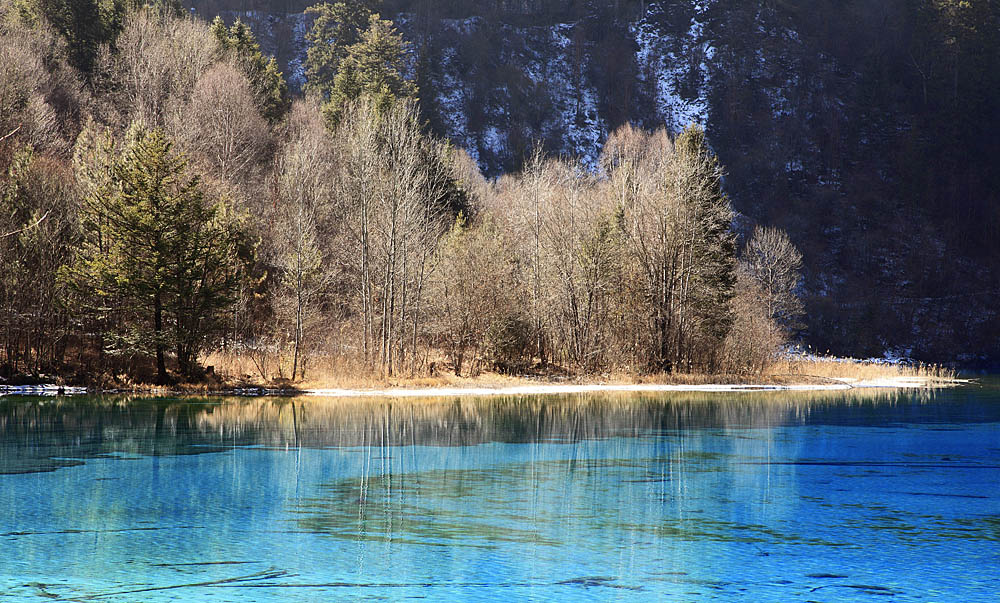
(342, 373)
(346, 373)
(729, 379)
(850, 370)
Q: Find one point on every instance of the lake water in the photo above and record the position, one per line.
(690, 497)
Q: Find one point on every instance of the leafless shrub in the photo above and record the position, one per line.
(40, 95)
(392, 183)
(220, 125)
(304, 226)
(754, 340)
(158, 60)
(773, 264)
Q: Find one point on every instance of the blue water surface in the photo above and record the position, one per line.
(689, 497)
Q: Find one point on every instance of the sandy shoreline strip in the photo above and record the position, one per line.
(514, 390)
(529, 390)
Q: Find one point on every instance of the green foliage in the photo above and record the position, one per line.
(453, 197)
(335, 29)
(353, 52)
(373, 67)
(714, 249)
(85, 24)
(267, 82)
(153, 250)
(879, 161)
(174, 8)
(676, 223)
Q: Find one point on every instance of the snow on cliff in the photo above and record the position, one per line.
(547, 67)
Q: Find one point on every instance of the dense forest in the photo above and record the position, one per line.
(866, 129)
(166, 197)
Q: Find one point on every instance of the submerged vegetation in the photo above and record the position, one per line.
(164, 200)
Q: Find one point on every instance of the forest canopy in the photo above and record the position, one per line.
(166, 203)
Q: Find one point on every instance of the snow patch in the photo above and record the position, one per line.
(493, 140)
(667, 62)
(41, 390)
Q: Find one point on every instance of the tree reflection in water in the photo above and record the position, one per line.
(52, 433)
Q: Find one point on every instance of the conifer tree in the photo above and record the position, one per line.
(267, 82)
(374, 67)
(153, 243)
(713, 251)
(676, 223)
(336, 28)
(82, 23)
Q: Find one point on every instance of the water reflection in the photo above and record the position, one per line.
(55, 433)
(767, 496)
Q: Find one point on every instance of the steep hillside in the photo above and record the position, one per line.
(866, 129)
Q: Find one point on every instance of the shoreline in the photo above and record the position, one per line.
(842, 384)
(834, 384)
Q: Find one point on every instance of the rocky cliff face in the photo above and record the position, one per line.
(824, 114)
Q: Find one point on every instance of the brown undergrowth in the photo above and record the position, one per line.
(332, 373)
(230, 372)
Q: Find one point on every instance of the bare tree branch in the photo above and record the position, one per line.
(9, 134)
(26, 228)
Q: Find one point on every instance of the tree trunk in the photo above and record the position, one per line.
(366, 304)
(161, 363)
(298, 331)
(416, 309)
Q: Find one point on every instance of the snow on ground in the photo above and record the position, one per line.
(549, 64)
(551, 61)
(41, 390)
(465, 26)
(297, 64)
(493, 140)
(574, 101)
(891, 357)
(453, 101)
(674, 54)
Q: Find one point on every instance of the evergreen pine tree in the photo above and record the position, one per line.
(152, 243)
(336, 28)
(374, 67)
(82, 23)
(714, 244)
(267, 81)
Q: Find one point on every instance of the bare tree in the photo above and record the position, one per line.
(772, 262)
(522, 203)
(675, 221)
(477, 307)
(754, 340)
(37, 227)
(39, 92)
(157, 61)
(304, 223)
(393, 186)
(220, 125)
(582, 246)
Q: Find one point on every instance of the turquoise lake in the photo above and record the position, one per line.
(753, 496)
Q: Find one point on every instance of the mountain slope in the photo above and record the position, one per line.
(865, 129)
